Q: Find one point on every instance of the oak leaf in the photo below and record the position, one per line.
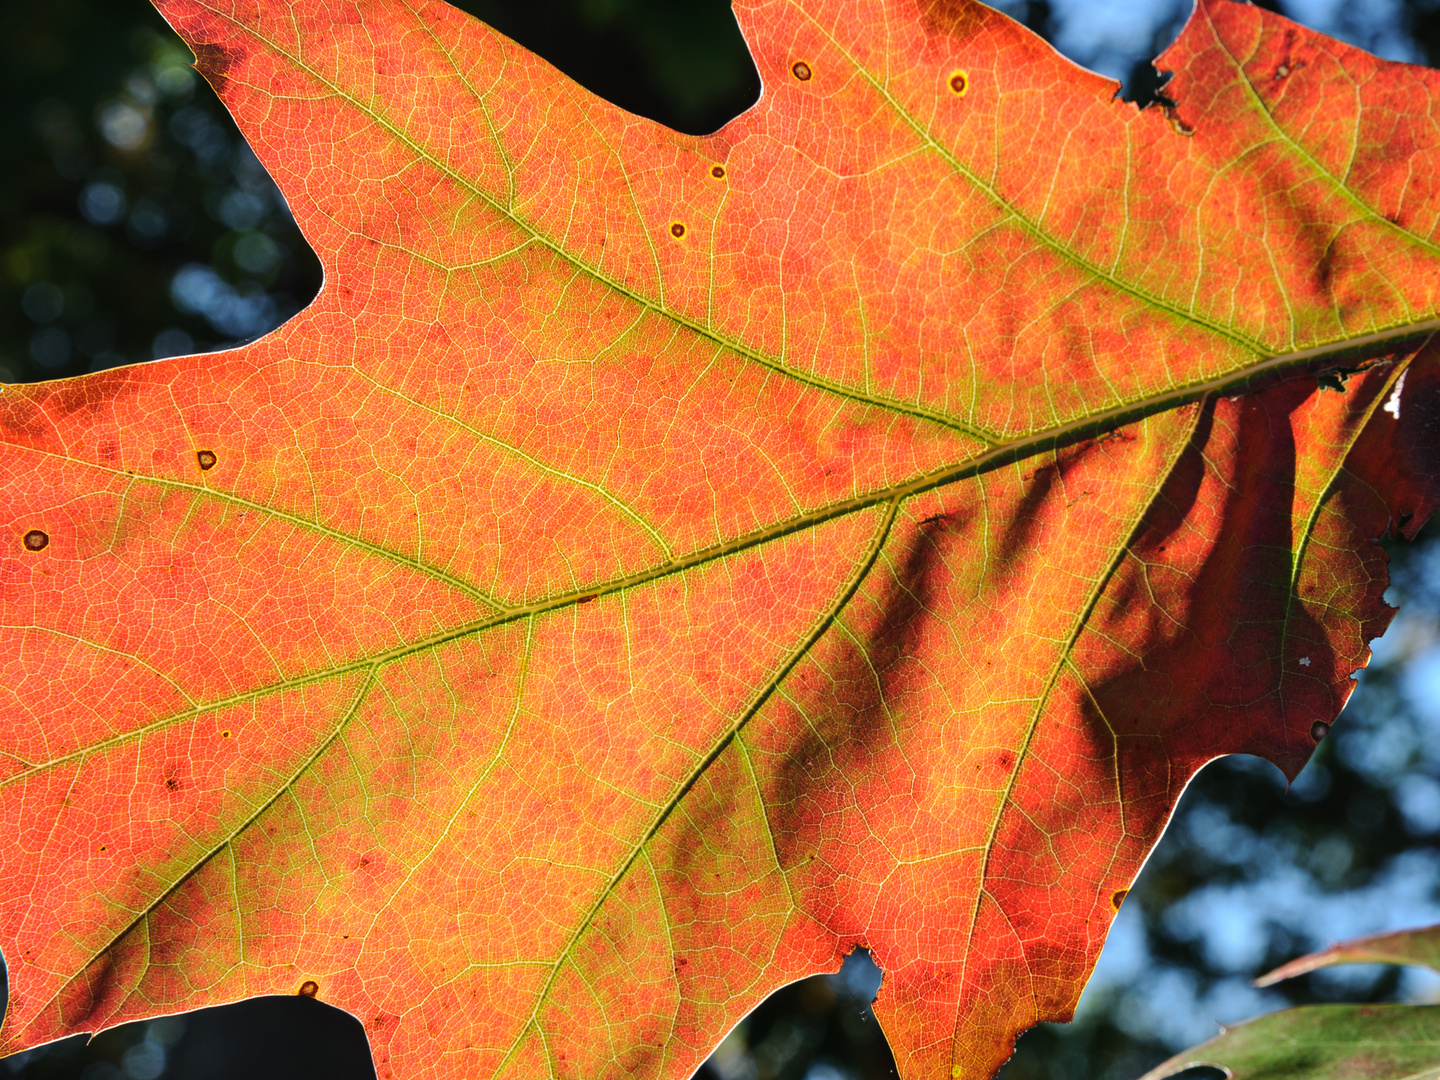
(656, 565)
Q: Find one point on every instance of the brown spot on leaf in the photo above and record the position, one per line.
(88, 394)
(677, 229)
(206, 459)
(1319, 730)
(951, 18)
(309, 988)
(214, 61)
(1119, 898)
(224, 734)
(718, 172)
(35, 540)
(801, 70)
(958, 82)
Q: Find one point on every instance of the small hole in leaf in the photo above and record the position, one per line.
(718, 172)
(677, 229)
(1319, 730)
(206, 458)
(35, 540)
(1119, 898)
(309, 988)
(801, 70)
(959, 82)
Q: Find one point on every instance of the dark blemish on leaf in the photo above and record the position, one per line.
(206, 458)
(718, 172)
(102, 847)
(959, 82)
(801, 70)
(1119, 898)
(214, 61)
(587, 599)
(89, 394)
(171, 784)
(309, 988)
(677, 229)
(1282, 71)
(224, 734)
(35, 540)
(1319, 730)
(21, 416)
(951, 18)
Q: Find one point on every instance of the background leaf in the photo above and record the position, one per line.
(1317, 1042)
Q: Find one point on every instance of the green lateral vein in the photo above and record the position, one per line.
(1265, 359)
(645, 526)
(141, 918)
(1307, 528)
(728, 736)
(1336, 183)
(595, 273)
(308, 524)
(1032, 229)
(1052, 678)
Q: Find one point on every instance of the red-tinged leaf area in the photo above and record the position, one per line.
(655, 566)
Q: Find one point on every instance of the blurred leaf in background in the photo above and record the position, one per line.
(135, 223)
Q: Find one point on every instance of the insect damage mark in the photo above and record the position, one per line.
(801, 70)
(959, 82)
(309, 988)
(1318, 730)
(677, 229)
(205, 459)
(1118, 898)
(35, 540)
(1287, 64)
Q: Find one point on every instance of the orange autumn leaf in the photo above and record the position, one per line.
(657, 565)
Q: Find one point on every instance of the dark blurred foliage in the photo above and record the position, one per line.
(681, 62)
(135, 223)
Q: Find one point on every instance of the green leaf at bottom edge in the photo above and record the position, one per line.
(1383, 1042)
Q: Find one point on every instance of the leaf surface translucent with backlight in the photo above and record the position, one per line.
(657, 565)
